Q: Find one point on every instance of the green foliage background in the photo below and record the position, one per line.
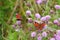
(6, 8)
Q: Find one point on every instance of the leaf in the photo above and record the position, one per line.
(13, 36)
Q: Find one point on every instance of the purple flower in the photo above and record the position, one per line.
(37, 15)
(18, 22)
(44, 34)
(30, 20)
(39, 38)
(54, 35)
(43, 19)
(28, 12)
(52, 38)
(57, 6)
(57, 37)
(48, 17)
(58, 32)
(39, 1)
(33, 34)
(56, 21)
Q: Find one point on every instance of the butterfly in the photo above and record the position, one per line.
(39, 26)
(18, 17)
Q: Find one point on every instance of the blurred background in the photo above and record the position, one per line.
(9, 8)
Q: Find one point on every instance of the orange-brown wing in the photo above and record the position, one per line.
(41, 26)
(18, 16)
(36, 25)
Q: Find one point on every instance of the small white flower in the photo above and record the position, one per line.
(17, 30)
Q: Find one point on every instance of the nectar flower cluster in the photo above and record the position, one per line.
(44, 34)
(57, 6)
(33, 34)
(37, 15)
(28, 12)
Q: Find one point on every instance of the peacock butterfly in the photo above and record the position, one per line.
(18, 17)
(39, 26)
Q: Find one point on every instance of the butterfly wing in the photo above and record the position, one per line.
(18, 17)
(36, 25)
(41, 26)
